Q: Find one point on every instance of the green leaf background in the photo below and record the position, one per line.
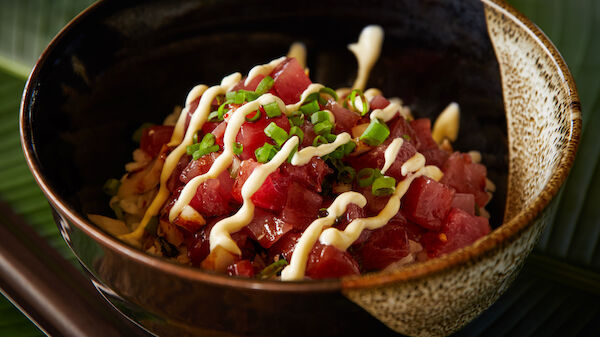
(564, 268)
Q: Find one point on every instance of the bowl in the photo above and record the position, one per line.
(119, 64)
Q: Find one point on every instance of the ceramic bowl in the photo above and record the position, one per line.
(120, 64)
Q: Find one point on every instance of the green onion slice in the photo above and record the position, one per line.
(195, 138)
(383, 186)
(230, 96)
(214, 117)
(239, 97)
(296, 131)
(249, 95)
(204, 151)
(363, 99)
(265, 85)
(111, 187)
(319, 116)
(406, 137)
(254, 117)
(330, 137)
(366, 176)
(330, 92)
(310, 108)
(276, 133)
(324, 127)
(292, 153)
(272, 109)
(346, 174)
(349, 147)
(297, 119)
(238, 148)
(265, 153)
(192, 148)
(319, 140)
(272, 269)
(376, 133)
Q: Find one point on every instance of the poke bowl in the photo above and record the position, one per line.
(117, 66)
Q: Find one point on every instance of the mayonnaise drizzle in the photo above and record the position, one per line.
(220, 233)
(367, 51)
(314, 87)
(295, 270)
(263, 69)
(198, 119)
(390, 154)
(178, 132)
(303, 156)
(386, 114)
(447, 124)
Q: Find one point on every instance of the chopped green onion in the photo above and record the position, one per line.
(383, 186)
(406, 137)
(376, 133)
(192, 148)
(139, 132)
(276, 133)
(346, 174)
(272, 109)
(296, 131)
(249, 95)
(238, 148)
(272, 269)
(349, 147)
(320, 140)
(337, 153)
(152, 226)
(204, 151)
(195, 138)
(214, 117)
(292, 153)
(330, 137)
(319, 116)
(366, 176)
(111, 187)
(329, 92)
(363, 99)
(324, 127)
(314, 97)
(265, 153)
(297, 119)
(239, 97)
(254, 118)
(310, 108)
(222, 109)
(264, 85)
(207, 140)
(230, 96)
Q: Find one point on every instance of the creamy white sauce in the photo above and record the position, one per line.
(447, 124)
(312, 88)
(303, 156)
(178, 132)
(295, 270)
(386, 114)
(390, 154)
(263, 69)
(298, 51)
(367, 51)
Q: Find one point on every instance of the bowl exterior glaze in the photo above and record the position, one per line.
(123, 63)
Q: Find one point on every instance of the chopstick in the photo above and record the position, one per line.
(50, 290)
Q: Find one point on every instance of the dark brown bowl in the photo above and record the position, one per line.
(119, 64)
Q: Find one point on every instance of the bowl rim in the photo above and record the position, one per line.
(506, 233)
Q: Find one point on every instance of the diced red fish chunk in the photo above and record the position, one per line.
(378, 102)
(290, 81)
(344, 118)
(301, 206)
(266, 228)
(466, 177)
(154, 137)
(327, 261)
(241, 268)
(464, 201)
(427, 202)
(384, 246)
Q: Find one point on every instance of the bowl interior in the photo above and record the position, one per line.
(124, 64)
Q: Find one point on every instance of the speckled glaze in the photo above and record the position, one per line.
(122, 63)
(543, 120)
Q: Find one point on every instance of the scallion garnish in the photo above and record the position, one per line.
(195, 138)
(366, 176)
(376, 133)
(214, 117)
(111, 187)
(192, 148)
(265, 153)
(238, 148)
(276, 133)
(239, 97)
(254, 117)
(310, 108)
(319, 116)
(272, 109)
(320, 140)
(349, 147)
(249, 96)
(406, 137)
(324, 127)
(206, 146)
(363, 99)
(330, 137)
(296, 131)
(297, 119)
(383, 186)
(204, 151)
(265, 85)
(292, 153)
(346, 174)
(272, 269)
(222, 109)
(137, 134)
(329, 92)
(230, 96)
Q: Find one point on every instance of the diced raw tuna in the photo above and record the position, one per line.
(219, 133)
(309, 134)
(459, 229)
(427, 202)
(435, 157)
(290, 81)
(310, 175)
(154, 137)
(242, 268)
(466, 177)
(212, 196)
(422, 129)
(378, 102)
(266, 228)
(173, 183)
(301, 206)
(327, 261)
(400, 128)
(271, 195)
(197, 167)
(376, 159)
(374, 203)
(284, 246)
(464, 201)
(252, 134)
(344, 118)
(384, 246)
